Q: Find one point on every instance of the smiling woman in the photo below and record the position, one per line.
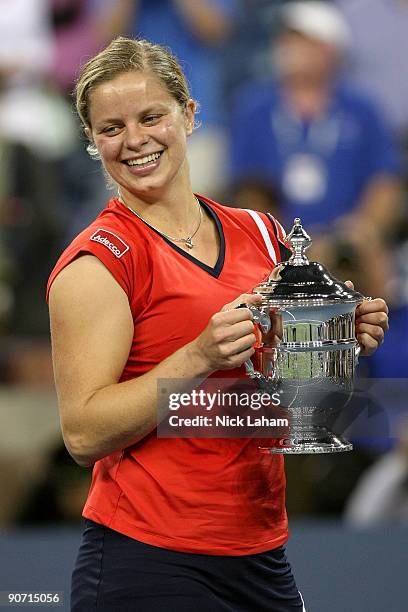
(148, 292)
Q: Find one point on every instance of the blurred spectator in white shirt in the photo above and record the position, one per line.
(30, 114)
(26, 39)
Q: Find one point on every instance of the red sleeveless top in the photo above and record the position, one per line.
(209, 496)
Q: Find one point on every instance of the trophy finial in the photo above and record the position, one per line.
(298, 241)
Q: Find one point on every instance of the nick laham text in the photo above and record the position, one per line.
(226, 421)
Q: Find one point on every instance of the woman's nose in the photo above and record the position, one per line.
(136, 136)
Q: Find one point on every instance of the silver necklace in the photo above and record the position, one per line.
(188, 241)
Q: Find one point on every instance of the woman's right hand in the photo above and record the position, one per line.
(228, 340)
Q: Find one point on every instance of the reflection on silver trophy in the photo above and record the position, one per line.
(307, 351)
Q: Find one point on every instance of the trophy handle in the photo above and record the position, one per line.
(263, 321)
(258, 317)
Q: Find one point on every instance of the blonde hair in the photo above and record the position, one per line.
(128, 55)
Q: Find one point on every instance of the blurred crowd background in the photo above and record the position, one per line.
(303, 112)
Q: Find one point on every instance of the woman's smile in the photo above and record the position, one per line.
(144, 165)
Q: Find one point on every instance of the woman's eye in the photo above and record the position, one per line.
(111, 130)
(152, 118)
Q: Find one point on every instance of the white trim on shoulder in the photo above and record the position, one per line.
(265, 234)
(280, 227)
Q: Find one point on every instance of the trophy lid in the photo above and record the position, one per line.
(300, 282)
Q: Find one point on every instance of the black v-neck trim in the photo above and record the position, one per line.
(217, 269)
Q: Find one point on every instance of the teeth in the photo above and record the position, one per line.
(143, 160)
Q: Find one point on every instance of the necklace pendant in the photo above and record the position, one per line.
(189, 243)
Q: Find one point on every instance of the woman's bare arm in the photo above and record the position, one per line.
(92, 332)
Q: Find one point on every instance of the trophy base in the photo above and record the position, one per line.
(311, 444)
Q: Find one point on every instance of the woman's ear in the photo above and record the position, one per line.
(88, 134)
(189, 116)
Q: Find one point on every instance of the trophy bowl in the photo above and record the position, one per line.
(307, 350)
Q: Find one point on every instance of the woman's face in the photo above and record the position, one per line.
(140, 132)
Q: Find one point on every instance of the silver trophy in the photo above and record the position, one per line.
(307, 350)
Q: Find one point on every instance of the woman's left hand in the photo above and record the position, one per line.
(371, 324)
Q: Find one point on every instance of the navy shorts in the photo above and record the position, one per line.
(115, 573)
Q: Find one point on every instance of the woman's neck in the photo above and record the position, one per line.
(172, 213)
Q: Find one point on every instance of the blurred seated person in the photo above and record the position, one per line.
(36, 130)
(381, 495)
(325, 145)
(58, 497)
